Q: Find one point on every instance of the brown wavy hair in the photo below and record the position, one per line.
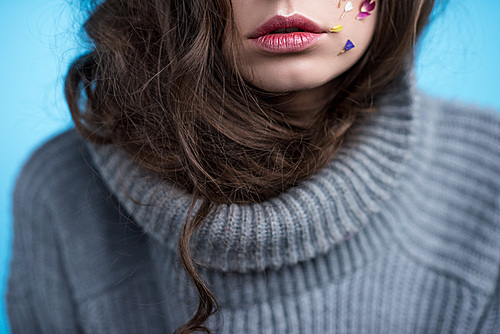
(156, 84)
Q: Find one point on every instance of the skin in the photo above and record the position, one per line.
(304, 77)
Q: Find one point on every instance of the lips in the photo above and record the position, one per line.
(286, 34)
(277, 23)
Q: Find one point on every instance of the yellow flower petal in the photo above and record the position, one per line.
(337, 28)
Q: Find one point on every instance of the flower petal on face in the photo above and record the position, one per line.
(337, 28)
(362, 15)
(349, 6)
(349, 45)
(367, 6)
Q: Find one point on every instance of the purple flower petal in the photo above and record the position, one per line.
(367, 6)
(370, 7)
(362, 15)
(349, 45)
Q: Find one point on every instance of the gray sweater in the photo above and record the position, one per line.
(399, 234)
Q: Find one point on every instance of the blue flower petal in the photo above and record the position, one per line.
(349, 45)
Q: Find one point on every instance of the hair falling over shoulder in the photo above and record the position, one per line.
(156, 84)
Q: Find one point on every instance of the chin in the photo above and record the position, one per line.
(291, 82)
(285, 87)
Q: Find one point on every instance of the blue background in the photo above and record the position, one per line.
(458, 59)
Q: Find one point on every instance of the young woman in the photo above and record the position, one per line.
(256, 166)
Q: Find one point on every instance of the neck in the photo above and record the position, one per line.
(302, 108)
(299, 224)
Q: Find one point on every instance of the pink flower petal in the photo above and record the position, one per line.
(362, 15)
(367, 6)
(364, 5)
(370, 7)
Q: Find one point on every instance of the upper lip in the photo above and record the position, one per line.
(280, 22)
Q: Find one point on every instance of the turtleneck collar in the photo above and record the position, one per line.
(299, 224)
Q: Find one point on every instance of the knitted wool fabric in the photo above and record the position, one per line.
(399, 234)
(299, 224)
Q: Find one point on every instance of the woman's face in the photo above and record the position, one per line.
(303, 54)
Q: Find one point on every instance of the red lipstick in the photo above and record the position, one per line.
(286, 34)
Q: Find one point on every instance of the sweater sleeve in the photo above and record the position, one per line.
(490, 321)
(38, 293)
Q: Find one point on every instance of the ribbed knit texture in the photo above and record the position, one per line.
(295, 226)
(399, 234)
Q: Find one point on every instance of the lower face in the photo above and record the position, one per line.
(303, 54)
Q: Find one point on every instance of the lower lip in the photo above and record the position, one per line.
(286, 43)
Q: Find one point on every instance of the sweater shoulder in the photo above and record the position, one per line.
(99, 243)
(52, 169)
(464, 124)
(452, 192)
(463, 140)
